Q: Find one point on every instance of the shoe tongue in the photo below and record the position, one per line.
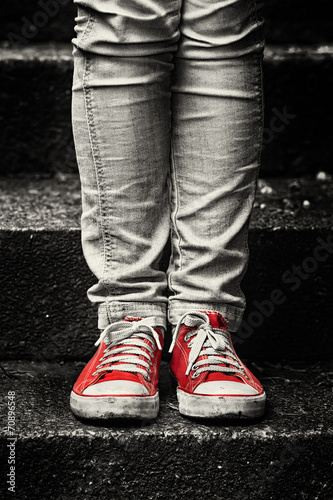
(217, 320)
(122, 375)
(118, 375)
(218, 376)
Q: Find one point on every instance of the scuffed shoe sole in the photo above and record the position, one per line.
(109, 407)
(238, 407)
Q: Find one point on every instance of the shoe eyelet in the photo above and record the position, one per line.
(195, 375)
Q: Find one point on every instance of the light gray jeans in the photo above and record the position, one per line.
(167, 119)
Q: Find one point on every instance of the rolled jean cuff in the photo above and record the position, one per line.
(112, 311)
(232, 314)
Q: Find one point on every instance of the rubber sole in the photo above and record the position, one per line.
(109, 407)
(235, 407)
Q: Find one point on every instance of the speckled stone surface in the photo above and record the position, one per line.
(40, 203)
(36, 99)
(286, 455)
(45, 314)
(36, 202)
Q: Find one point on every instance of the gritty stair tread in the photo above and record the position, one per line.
(43, 203)
(298, 406)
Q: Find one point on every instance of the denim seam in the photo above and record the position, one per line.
(122, 306)
(237, 311)
(113, 309)
(87, 29)
(95, 151)
(174, 228)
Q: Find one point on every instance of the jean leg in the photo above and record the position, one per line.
(121, 122)
(216, 148)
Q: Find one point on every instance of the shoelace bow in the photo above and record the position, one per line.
(207, 341)
(125, 341)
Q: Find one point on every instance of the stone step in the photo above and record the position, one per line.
(287, 454)
(36, 101)
(287, 21)
(289, 284)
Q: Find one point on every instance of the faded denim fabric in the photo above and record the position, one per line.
(167, 120)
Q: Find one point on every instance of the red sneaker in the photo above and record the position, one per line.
(212, 380)
(121, 380)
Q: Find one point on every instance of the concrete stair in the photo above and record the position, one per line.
(36, 101)
(286, 455)
(43, 270)
(48, 327)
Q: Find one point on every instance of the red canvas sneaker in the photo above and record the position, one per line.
(120, 381)
(212, 380)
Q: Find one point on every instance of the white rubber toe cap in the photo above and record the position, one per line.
(231, 388)
(116, 388)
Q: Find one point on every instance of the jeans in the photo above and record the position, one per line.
(167, 120)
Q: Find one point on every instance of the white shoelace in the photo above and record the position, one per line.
(207, 341)
(125, 341)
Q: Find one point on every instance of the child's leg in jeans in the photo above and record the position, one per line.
(121, 120)
(216, 146)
